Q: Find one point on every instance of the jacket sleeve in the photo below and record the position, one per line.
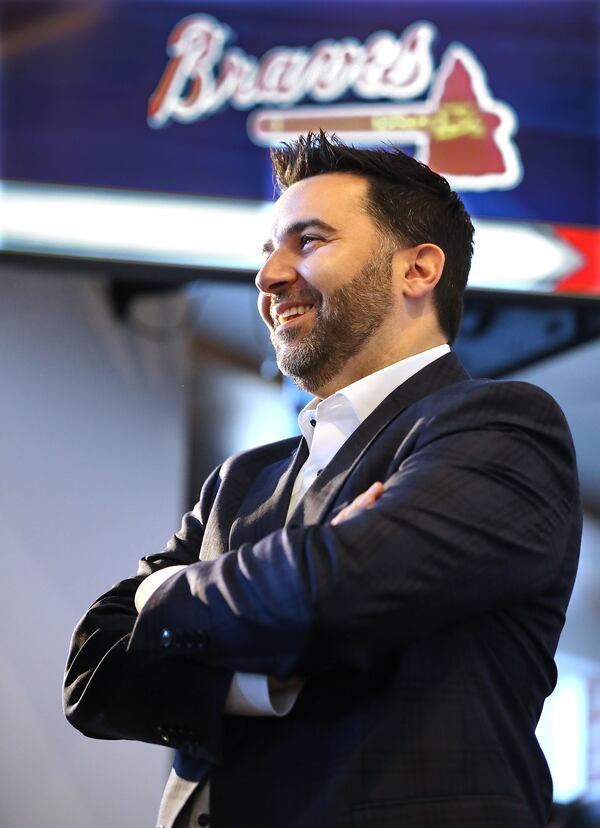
(480, 512)
(111, 693)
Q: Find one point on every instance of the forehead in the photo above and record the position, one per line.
(335, 198)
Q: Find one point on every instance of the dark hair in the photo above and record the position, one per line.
(405, 198)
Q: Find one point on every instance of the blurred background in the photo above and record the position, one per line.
(135, 190)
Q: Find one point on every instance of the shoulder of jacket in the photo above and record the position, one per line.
(493, 402)
(261, 455)
(494, 389)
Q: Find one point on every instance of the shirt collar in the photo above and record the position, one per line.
(364, 395)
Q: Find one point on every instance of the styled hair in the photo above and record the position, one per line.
(405, 198)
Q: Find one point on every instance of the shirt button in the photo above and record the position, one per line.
(166, 637)
(203, 819)
(319, 472)
(313, 423)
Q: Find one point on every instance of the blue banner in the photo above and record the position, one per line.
(499, 96)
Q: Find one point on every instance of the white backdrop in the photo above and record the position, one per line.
(92, 466)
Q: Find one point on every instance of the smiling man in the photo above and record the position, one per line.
(355, 627)
(343, 298)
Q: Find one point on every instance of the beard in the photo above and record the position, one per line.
(344, 321)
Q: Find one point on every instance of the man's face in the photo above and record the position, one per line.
(326, 285)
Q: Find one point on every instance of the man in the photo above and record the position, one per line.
(400, 573)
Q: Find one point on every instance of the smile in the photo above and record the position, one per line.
(290, 314)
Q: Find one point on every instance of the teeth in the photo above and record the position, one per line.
(296, 310)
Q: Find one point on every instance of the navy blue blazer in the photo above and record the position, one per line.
(426, 626)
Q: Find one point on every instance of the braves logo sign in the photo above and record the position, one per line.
(459, 129)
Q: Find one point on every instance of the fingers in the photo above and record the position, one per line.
(363, 501)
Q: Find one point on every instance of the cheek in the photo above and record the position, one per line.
(329, 269)
(263, 305)
(322, 274)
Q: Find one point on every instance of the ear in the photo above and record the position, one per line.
(421, 268)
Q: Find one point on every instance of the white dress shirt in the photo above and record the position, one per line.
(326, 425)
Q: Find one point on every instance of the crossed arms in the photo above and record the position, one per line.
(478, 504)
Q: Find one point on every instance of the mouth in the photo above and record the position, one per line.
(289, 315)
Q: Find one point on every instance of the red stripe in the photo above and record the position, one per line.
(586, 279)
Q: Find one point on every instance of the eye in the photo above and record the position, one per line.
(306, 240)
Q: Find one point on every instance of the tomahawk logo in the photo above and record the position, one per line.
(456, 126)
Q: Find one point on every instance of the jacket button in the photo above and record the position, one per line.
(166, 637)
(203, 820)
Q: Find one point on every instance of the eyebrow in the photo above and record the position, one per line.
(298, 227)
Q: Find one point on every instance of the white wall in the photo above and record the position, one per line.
(564, 729)
(92, 470)
(572, 379)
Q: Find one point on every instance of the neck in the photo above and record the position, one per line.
(374, 356)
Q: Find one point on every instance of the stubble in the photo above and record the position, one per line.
(345, 320)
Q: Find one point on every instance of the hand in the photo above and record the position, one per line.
(363, 501)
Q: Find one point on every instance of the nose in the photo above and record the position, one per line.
(276, 273)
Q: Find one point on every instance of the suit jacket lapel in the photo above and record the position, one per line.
(314, 505)
(264, 509)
